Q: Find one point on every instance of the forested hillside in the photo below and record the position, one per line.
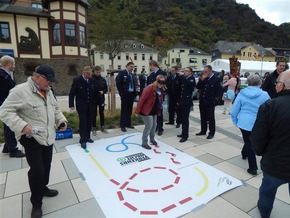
(200, 23)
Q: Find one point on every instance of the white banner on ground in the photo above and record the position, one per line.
(129, 181)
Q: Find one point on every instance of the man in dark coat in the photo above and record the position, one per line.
(85, 91)
(6, 84)
(173, 90)
(270, 81)
(155, 71)
(103, 89)
(126, 85)
(142, 81)
(185, 101)
(209, 85)
(271, 140)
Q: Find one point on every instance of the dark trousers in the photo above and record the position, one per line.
(39, 159)
(247, 150)
(172, 109)
(126, 109)
(185, 110)
(10, 141)
(86, 114)
(101, 113)
(207, 115)
(159, 127)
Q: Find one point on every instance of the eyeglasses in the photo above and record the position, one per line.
(161, 82)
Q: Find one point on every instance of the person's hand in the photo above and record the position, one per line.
(27, 130)
(62, 126)
(101, 92)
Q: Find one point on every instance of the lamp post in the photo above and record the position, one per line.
(262, 55)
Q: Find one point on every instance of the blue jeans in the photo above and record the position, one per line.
(267, 193)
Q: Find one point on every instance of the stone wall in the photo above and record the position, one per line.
(61, 66)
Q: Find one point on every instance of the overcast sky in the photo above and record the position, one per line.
(273, 11)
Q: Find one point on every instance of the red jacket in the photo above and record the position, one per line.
(147, 100)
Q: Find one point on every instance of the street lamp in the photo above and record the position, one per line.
(262, 55)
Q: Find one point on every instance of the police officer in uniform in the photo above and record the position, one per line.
(185, 101)
(84, 90)
(126, 85)
(173, 91)
(209, 85)
(155, 71)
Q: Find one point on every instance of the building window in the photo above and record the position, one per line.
(134, 45)
(82, 36)
(36, 5)
(142, 46)
(72, 69)
(244, 53)
(204, 62)
(135, 57)
(249, 54)
(5, 32)
(56, 33)
(102, 55)
(181, 51)
(172, 60)
(143, 67)
(151, 57)
(127, 56)
(119, 67)
(119, 57)
(70, 34)
(143, 57)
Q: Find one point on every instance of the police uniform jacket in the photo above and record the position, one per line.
(152, 77)
(173, 84)
(101, 86)
(187, 87)
(6, 84)
(123, 81)
(85, 93)
(209, 90)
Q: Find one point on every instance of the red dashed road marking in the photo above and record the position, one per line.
(150, 190)
(133, 176)
(120, 196)
(124, 185)
(145, 170)
(177, 180)
(157, 152)
(115, 182)
(170, 207)
(148, 212)
(167, 187)
(173, 155)
(132, 190)
(162, 168)
(175, 173)
(185, 200)
(130, 206)
(175, 162)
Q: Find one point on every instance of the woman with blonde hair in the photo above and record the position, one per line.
(149, 106)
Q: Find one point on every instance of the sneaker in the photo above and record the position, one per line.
(5, 150)
(17, 153)
(146, 147)
(103, 130)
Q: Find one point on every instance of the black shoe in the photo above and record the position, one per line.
(130, 127)
(123, 129)
(90, 141)
(5, 150)
(84, 145)
(182, 140)
(200, 133)
(253, 172)
(50, 192)
(17, 153)
(177, 125)
(179, 136)
(36, 213)
(146, 147)
(160, 133)
(169, 123)
(209, 137)
(153, 142)
(244, 157)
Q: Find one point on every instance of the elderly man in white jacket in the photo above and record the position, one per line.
(32, 112)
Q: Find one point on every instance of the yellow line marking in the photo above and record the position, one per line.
(99, 166)
(205, 186)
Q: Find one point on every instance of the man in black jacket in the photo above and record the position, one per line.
(155, 71)
(103, 89)
(126, 85)
(270, 80)
(6, 84)
(271, 140)
(209, 85)
(85, 91)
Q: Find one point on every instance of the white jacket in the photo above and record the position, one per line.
(25, 105)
